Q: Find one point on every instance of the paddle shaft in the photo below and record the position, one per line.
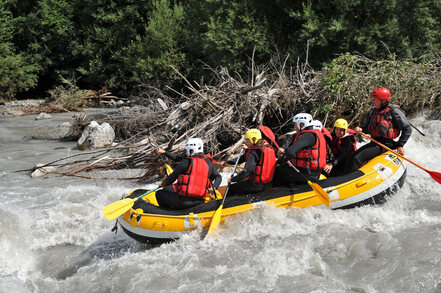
(215, 221)
(232, 174)
(394, 152)
(148, 192)
(226, 165)
(417, 129)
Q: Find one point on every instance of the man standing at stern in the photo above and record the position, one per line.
(384, 122)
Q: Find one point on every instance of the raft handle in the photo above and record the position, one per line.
(360, 184)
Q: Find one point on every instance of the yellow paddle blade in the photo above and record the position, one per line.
(321, 193)
(215, 221)
(169, 169)
(218, 194)
(117, 208)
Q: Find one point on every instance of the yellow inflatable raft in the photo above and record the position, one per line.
(371, 184)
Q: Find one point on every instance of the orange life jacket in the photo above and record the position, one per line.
(381, 123)
(335, 145)
(264, 170)
(314, 157)
(195, 181)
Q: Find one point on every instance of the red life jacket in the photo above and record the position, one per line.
(264, 170)
(195, 181)
(335, 145)
(381, 123)
(208, 156)
(314, 157)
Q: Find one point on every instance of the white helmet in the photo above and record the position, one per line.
(302, 118)
(316, 124)
(194, 146)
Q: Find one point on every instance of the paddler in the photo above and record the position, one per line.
(258, 172)
(342, 146)
(384, 122)
(317, 124)
(306, 150)
(194, 174)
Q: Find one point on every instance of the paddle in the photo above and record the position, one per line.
(321, 193)
(117, 208)
(435, 175)
(217, 215)
(226, 165)
(169, 169)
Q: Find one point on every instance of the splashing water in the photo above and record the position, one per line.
(53, 237)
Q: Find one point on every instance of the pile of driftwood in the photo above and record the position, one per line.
(219, 114)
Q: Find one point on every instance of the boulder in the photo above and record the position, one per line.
(14, 112)
(53, 133)
(42, 171)
(96, 136)
(42, 116)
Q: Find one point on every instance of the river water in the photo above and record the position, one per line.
(54, 238)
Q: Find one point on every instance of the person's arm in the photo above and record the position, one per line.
(364, 127)
(346, 148)
(215, 177)
(241, 160)
(403, 125)
(366, 121)
(288, 142)
(305, 140)
(179, 169)
(174, 157)
(252, 160)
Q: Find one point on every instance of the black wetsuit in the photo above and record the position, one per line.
(241, 185)
(285, 174)
(371, 149)
(339, 161)
(167, 197)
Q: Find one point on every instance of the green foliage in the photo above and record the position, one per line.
(147, 58)
(16, 74)
(233, 32)
(122, 44)
(373, 28)
(68, 94)
(349, 80)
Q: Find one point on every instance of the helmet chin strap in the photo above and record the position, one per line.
(384, 104)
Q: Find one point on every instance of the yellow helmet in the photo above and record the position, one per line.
(341, 123)
(253, 134)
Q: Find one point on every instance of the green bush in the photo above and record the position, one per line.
(123, 44)
(17, 74)
(68, 94)
(349, 79)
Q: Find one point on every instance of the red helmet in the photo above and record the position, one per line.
(381, 93)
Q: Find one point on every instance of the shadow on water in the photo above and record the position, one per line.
(63, 261)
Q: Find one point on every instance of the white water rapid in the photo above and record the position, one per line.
(54, 238)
